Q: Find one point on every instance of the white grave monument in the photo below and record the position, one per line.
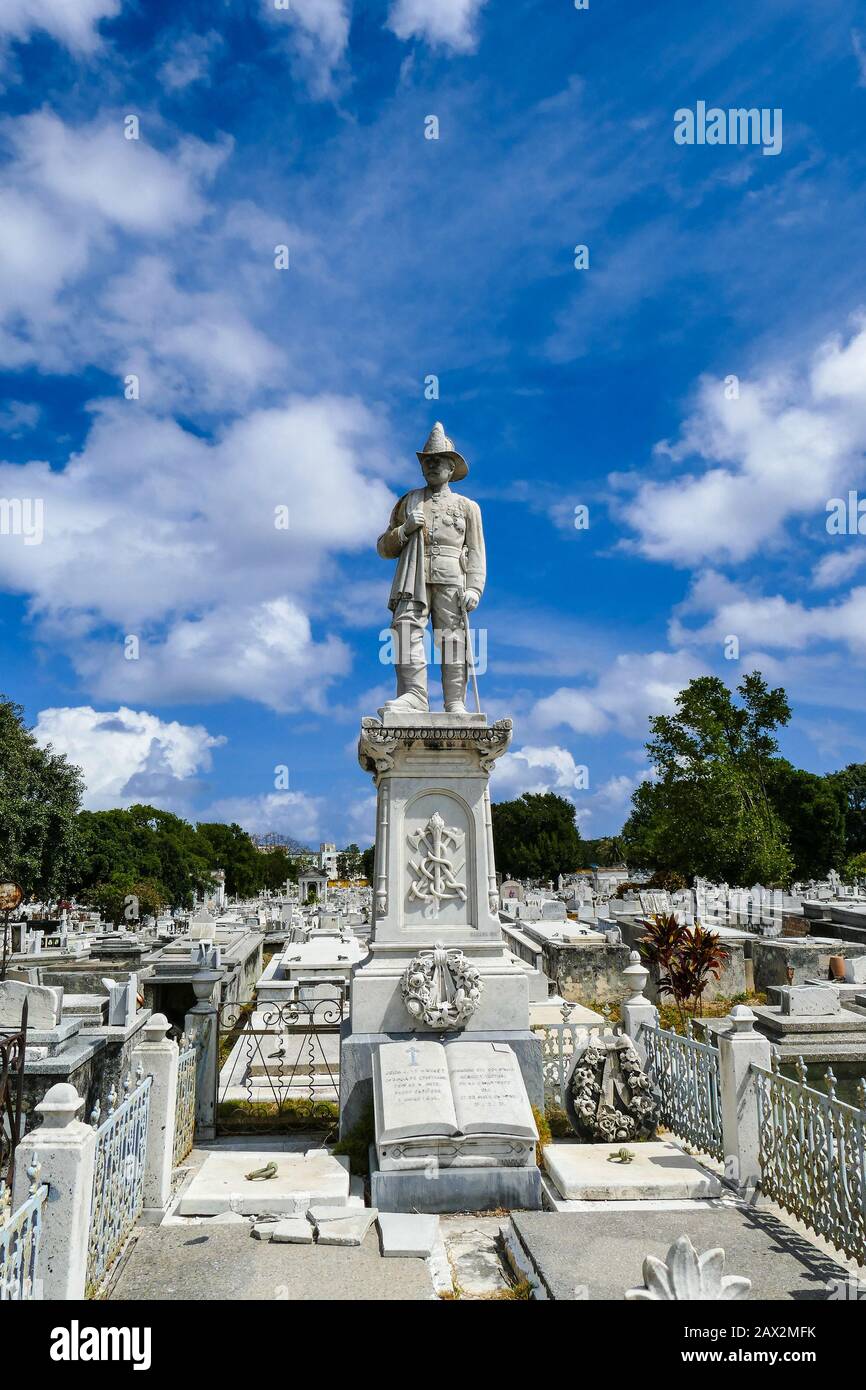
(439, 971)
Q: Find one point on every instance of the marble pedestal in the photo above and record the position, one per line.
(435, 886)
(456, 1189)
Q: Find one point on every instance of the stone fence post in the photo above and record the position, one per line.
(635, 1011)
(202, 1021)
(739, 1047)
(158, 1057)
(66, 1150)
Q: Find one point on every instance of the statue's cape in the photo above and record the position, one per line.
(409, 574)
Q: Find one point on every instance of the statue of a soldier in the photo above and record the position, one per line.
(436, 538)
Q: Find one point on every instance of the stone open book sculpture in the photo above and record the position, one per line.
(470, 1095)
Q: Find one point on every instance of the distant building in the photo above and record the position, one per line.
(328, 859)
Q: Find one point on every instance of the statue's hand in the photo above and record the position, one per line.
(414, 520)
(471, 599)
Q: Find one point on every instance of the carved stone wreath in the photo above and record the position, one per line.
(440, 988)
(611, 1094)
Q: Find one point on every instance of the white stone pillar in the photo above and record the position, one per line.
(635, 1011)
(740, 1046)
(157, 1055)
(66, 1150)
(202, 1022)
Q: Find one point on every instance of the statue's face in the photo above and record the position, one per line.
(437, 470)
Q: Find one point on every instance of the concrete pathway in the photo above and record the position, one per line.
(219, 1261)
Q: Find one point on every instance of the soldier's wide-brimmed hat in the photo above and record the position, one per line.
(439, 443)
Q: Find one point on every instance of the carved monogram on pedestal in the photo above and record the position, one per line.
(440, 988)
(434, 879)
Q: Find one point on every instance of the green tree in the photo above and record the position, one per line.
(603, 852)
(709, 810)
(144, 843)
(368, 863)
(349, 862)
(855, 869)
(125, 900)
(40, 793)
(535, 836)
(813, 809)
(851, 783)
(229, 847)
(276, 868)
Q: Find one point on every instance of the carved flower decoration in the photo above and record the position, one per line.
(685, 1276)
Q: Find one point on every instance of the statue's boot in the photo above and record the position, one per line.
(454, 687)
(411, 689)
(412, 700)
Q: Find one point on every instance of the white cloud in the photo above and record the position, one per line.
(635, 686)
(155, 533)
(78, 199)
(318, 36)
(294, 814)
(770, 621)
(94, 167)
(836, 568)
(18, 417)
(361, 821)
(553, 769)
(129, 755)
(73, 23)
(448, 22)
(189, 60)
(535, 769)
(265, 652)
(789, 443)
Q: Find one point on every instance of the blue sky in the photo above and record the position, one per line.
(153, 257)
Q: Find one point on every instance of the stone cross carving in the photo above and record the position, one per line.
(440, 988)
(434, 875)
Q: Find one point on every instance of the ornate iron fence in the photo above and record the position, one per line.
(118, 1179)
(184, 1108)
(284, 1056)
(12, 1050)
(685, 1073)
(559, 1042)
(20, 1233)
(813, 1155)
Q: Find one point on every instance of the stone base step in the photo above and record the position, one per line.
(301, 1179)
(586, 1172)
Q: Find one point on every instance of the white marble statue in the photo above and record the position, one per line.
(436, 538)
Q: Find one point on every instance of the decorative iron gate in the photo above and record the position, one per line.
(279, 1059)
(12, 1047)
(686, 1074)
